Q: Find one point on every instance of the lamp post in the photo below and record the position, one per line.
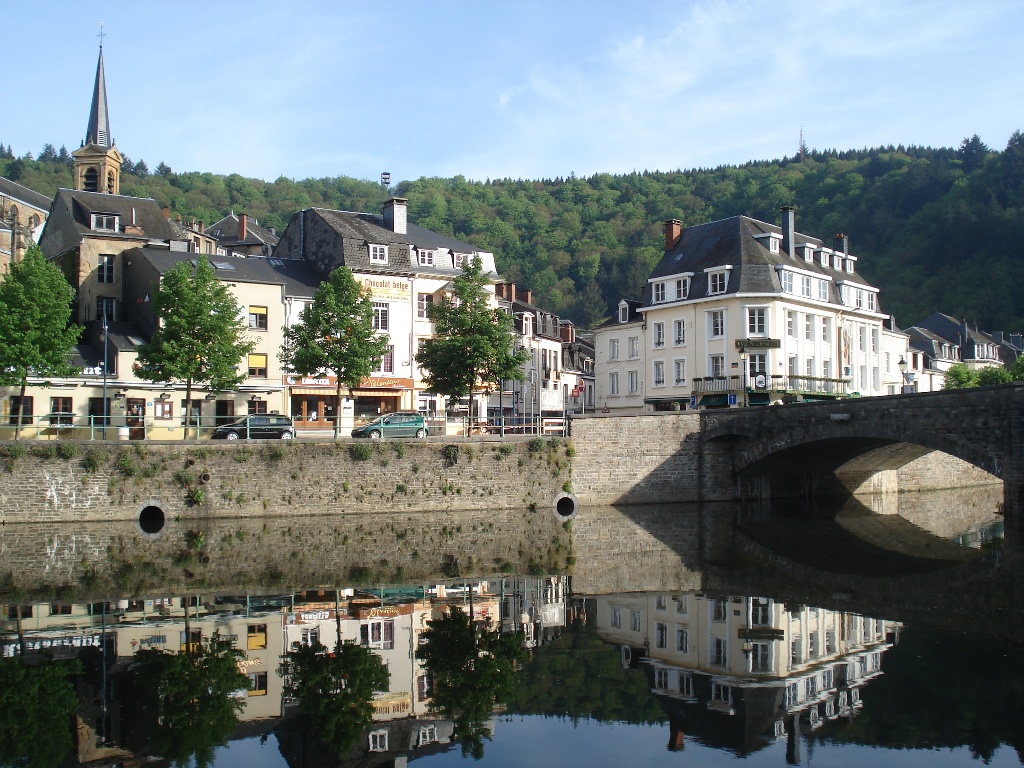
(103, 428)
(902, 365)
(743, 363)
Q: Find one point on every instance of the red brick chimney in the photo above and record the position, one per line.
(841, 243)
(499, 290)
(510, 291)
(167, 212)
(243, 224)
(526, 295)
(673, 231)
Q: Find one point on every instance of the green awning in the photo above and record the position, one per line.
(714, 401)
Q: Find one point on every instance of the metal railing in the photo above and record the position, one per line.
(63, 426)
(786, 383)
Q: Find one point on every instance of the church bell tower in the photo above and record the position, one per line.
(97, 163)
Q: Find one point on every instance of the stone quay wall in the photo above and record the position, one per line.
(115, 481)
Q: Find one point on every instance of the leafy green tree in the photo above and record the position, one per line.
(473, 342)
(1017, 369)
(36, 338)
(36, 705)
(195, 695)
(993, 374)
(474, 669)
(335, 689)
(959, 376)
(335, 334)
(199, 337)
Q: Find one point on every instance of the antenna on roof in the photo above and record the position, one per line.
(803, 147)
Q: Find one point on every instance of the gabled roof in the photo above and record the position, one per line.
(226, 231)
(25, 195)
(298, 278)
(70, 220)
(741, 243)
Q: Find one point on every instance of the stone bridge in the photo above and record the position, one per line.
(807, 449)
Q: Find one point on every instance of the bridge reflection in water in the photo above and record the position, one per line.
(734, 627)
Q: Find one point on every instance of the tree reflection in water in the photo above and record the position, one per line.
(473, 668)
(37, 699)
(335, 689)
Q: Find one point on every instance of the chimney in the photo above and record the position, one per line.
(499, 290)
(167, 212)
(673, 231)
(202, 228)
(841, 243)
(395, 215)
(526, 295)
(510, 291)
(788, 231)
(243, 225)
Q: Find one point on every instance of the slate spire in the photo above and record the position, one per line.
(98, 131)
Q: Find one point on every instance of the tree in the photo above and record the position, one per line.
(163, 169)
(959, 376)
(335, 689)
(335, 334)
(473, 669)
(36, 705)
(199, 337)
(35, 336)
(973, 152)
(993, 374)
(473, 341)
(197, 708)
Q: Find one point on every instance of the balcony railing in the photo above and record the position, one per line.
(786, 383)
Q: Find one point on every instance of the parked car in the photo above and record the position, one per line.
(398, 424)
(260, 426)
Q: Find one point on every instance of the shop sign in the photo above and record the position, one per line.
(310, 381)
(380, 383)
(310, 617)
(397, 703)
(386, 611)
(386, 287)
(54, 644)
(759, 343)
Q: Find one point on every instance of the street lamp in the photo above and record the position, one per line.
(743, 362)
(902, 365)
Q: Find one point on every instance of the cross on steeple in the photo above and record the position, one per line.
(100, 35)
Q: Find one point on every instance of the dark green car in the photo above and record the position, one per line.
(398, 424)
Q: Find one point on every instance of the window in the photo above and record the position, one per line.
(679, 371)
(425, 258)
(718, 281)
(875, 335)
(613, 349)
(716, 366)
(258, 318)
(378, 633)
(757, 321)
(634, 382)
(659, 334)
(378, 254)
(97, 417)
(791, 324)
(719, 607)
(661, 678)
(423, 303)
(716, 324)
(459, 259)
(59, 609)
(826, 329)
(634, 620)
(872, 299)
(679, 332)
(760, 659)
(105, 306)
(686, 684)
(809, 366)
(659, 374)
(660, 635)
(105, 222)
(425, 685)
(787, 282)
(809, 327)
(623, 313)
(310, 636)
(860, 299)
(256, 407)
(794, 365)
(258, 366)
(719, 652)
(681, 605)
(616, 617)
(256, 637)
(105, 272)
(380, 316)
(757, 364)
(862, 338)
(805, 285)
(613, 383)
(876, 378)
(661, 603)
(659, 293)
(682, 288)
(823, 290)
(20, 406)
(427, 735)
(682, 640)
(378, 741)
(258, 684)
(61, 414)
(387, 363)
(634, 347)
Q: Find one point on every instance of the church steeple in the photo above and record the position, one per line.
(97, 163)
(98, 131)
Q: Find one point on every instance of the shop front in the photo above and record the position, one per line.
(377, 396)
(313, 401)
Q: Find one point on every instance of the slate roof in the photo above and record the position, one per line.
(22, 194)
(70, 220)
(226, 231)
(298, 277)
(632, 313)
(733, 242)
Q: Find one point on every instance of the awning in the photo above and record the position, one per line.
(377, 392)
(714, 401)
(312, 390)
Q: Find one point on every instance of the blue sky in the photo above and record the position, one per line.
(509, 89)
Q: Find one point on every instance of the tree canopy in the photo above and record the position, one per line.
(200, 337)
(335, 334)
(473, 339)
(36, 705)
(36, 337)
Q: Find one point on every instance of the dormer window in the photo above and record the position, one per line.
(378, 254)
(459, 259)
(839, 262)
(659, 293)
(425, 258)
(773, 245)
(105, 222)
(682, 288)
(809, 253)
(849, 266)
(623, 313)
(718, 281)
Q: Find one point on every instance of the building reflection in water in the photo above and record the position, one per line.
(740, 672)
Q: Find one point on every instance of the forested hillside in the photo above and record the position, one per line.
(935, 229)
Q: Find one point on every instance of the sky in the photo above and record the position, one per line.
(513, 89)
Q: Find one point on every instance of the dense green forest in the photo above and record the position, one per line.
(935, 229)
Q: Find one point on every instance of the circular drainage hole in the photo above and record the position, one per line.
(151, 519)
